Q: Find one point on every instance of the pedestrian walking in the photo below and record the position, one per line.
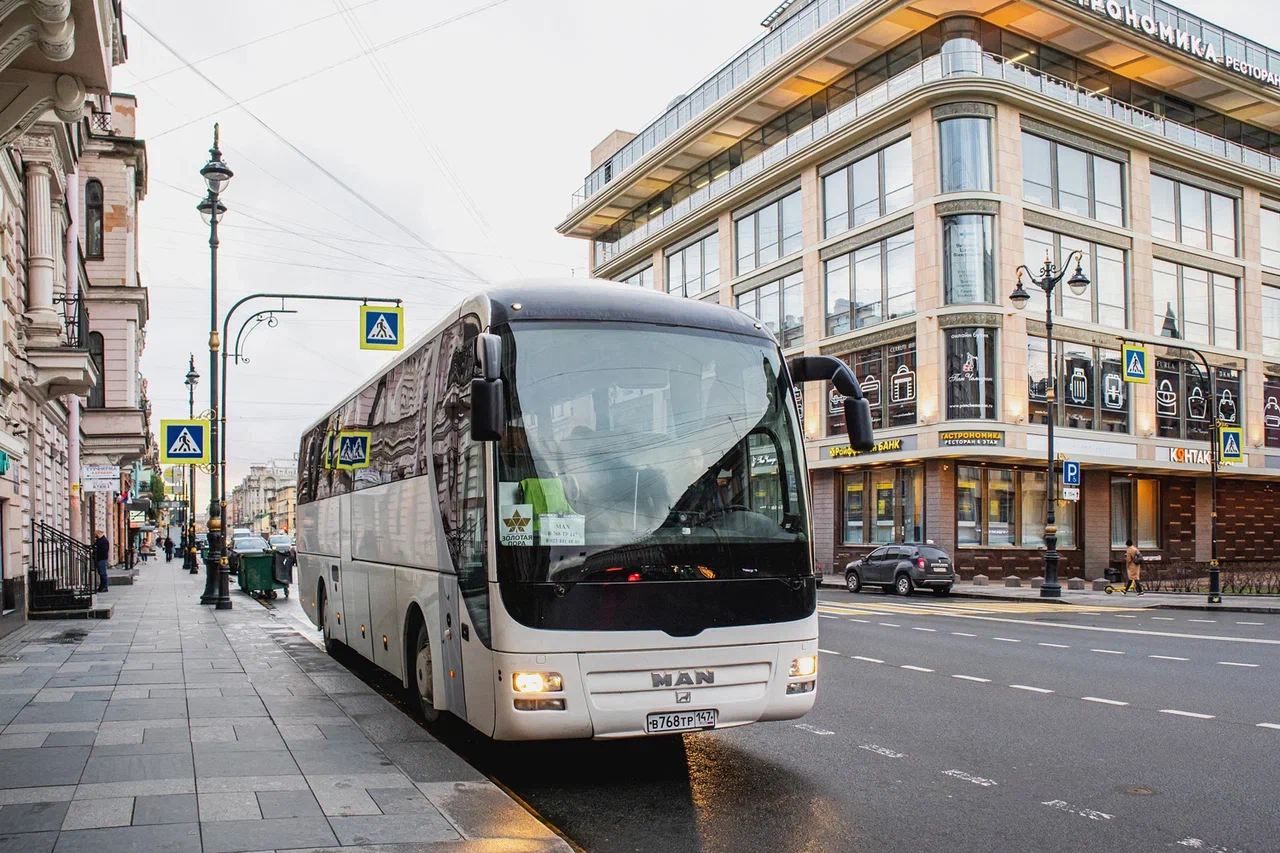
(101, 553)
(1133, 567)
(168, 549)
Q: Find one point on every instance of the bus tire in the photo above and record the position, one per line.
(422, 676)
(322, 607)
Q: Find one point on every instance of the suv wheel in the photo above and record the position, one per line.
(902, 584)
(852, 581)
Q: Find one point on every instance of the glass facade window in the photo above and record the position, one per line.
(1271, 320)
(1071, 180)
(770, 233)
(884, 505)
(1270, 222)
(1271, 410)
(969, 267)
(1135, 512)
(1195, 305)
(887, 375)
(779, 306)
(1192, 216)
(643, 278)
(875, 186)
(965, 146)
(694, 269)
(1106, 299)
(971, 374)
(1002, 508)
(871, 284)
(1092, 391)
(1185, 401)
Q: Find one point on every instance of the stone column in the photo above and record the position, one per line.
(45, 327)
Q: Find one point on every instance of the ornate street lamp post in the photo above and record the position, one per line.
(189, 561)
(1050, 277)
(217, 589)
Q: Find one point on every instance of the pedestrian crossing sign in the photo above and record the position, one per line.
(184, 442)
(1137, 362)
(381, 327)
(1231, 444)
(353, 450)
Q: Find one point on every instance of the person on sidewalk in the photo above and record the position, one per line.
(1132, 567)
(168, 549)
(101, 553)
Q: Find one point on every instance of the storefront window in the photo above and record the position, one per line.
(1185, 402)
(998, 508)
(971, 374)
(887, 376)
(968, 258)
(1105, 300)
(875, 186)
(1069, 179)
(1000, 503)
(1093, 391)
(968, 505)
(894, 511)
(1135, 508)
(1192, 216)
(872, 284)
(1271, 410)
(966, 154)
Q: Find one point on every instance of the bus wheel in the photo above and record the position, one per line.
(422, 683)
(322, 607)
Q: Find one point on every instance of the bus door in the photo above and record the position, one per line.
(355, 589)
(451, 627)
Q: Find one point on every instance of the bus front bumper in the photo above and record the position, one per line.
(615, 694)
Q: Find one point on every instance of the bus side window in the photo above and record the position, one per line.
(458, 463)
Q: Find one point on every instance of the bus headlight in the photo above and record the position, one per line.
(804, 666)
(537, 682)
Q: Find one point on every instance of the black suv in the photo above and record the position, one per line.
(902, 568)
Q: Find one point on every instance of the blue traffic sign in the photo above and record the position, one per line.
(1136, 359)
(381, 328)
(1231, 444)
(1070, 473)
(184, 442)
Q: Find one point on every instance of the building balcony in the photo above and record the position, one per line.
(118, 436)
(992, 70)
(64, 367)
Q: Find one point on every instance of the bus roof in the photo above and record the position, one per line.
(579, 299)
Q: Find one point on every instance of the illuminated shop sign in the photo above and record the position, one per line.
(971, 438)
(889, 445)
(1181, 39)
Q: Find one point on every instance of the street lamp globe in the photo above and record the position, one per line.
(192, 376)
(1019, 297)
(1079, 282)
(211, 210)
(216, 174)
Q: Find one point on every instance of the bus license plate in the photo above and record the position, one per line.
(682, 721)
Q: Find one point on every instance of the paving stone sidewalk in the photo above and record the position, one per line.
(175, 728)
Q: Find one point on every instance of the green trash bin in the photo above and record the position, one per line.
(256, 574)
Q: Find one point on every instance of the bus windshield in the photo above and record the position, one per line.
(635, 453)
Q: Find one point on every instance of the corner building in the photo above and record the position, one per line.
(867, 177)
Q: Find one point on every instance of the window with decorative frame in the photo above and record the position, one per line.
(772, 232)
(867, 189)
(1071, 180)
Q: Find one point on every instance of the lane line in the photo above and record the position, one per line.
(1053, 645)
(890, 625)
(828, 652)
(1135, 631)
(973, 678)
(1028, 687)
(882, 750)
(1167, 657)
(1233, 663)
(1103, 701)
(1269, 725)
(868, 660)
(1106, 651)
(861, 621)
(825, 616)
(1063, 806)
(1186, 714)
(812, 729)
(1162, 618)
(1204, 621)
(977, 780)
(1251, 623)
(930, 630)
(1006, 640)
(1123, 616)
(916, 668)
(962, 634)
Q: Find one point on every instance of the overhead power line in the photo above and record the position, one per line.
(311, 160)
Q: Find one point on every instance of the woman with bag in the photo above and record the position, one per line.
(1133, 567)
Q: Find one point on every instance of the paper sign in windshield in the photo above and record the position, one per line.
(561, 530)
(515, 525)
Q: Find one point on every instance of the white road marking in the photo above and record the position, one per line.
(1062, 806)
(890, 625)
(962, 634)
(1205, 621)
(1106, 651)
(868, 660)
(916, 668)
(977, 780)
(1250, 623)
(1032, 689)
(1232, 663)
(828, 652)
(973, 678)
(861, 621)
(1167, 657)
(1269, 725)
(1006, 639)
(880, 750)
(1103, 701)
(1162, 618)
(812, 729)
(825, 616)
(1135, 631)
(1200, 844)
(1123, 616)
(930, 630)
(1054, 645)
(1186, 714)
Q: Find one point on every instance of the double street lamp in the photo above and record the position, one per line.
(217, 589)
(189, 561)
(1050, 277)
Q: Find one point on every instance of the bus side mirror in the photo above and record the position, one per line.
(489, 356)
(487, 415)
(857, 410)
(857, 419)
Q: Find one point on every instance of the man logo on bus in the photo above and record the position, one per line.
(683, 679)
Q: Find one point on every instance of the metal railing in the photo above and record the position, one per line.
(75, 317)
(934, 69)
(62, 575)
(100, 122)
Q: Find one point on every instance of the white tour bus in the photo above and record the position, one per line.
(574, 509)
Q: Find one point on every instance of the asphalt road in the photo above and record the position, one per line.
(949, 725)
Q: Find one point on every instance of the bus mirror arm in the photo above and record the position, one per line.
(857, 411)
(487, 415)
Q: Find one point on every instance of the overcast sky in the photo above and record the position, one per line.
(470, 136)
